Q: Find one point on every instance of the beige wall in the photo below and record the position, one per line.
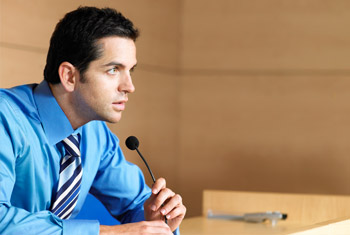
(230, 94)
(265, 97)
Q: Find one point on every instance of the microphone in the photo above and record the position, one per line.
(133, 143)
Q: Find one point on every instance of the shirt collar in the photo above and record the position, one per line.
(55, 123)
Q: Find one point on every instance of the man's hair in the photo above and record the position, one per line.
(75, 38)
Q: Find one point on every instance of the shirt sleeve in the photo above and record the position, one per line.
(119, 184)
(15, 220)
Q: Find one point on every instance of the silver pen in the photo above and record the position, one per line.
(251, 217)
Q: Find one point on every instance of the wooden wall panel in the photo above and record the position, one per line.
(265, 35)
(265, 133)
(19, 67)
(264, 97)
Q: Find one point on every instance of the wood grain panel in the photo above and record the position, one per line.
(280, 134)
(274, 34)
(19, 67)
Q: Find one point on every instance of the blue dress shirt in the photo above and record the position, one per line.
(32, 125)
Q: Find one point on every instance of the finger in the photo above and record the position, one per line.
(174, 201)
(162, 196)
(158, 185)
(177, 212)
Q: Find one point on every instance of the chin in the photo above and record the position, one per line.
(110, 117)
(114, 119)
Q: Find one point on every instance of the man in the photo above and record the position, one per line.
(55, 146)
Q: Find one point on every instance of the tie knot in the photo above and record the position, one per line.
(71, 144)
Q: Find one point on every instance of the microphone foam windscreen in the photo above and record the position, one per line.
(132, 142)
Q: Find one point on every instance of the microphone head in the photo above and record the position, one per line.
(132, 142)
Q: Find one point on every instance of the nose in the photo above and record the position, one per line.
(126, 84)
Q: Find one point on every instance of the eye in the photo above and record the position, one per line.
(113, 71)
(133, 69)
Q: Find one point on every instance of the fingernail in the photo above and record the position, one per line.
(153, 207)
(168, 216)
(162, 211)
(154, 191)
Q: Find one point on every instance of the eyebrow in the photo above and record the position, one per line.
(113, 64)
(118, 64)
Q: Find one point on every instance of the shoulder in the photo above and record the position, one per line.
(16, 108)
(18, 99)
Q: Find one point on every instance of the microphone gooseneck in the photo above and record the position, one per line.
(133, 143)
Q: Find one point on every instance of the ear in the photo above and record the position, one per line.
(68, 76)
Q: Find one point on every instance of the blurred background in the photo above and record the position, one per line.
(230, 94)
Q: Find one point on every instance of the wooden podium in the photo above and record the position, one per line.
(307, 214)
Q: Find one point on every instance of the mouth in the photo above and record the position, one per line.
(119, 105)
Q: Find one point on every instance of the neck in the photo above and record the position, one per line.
(65, 101)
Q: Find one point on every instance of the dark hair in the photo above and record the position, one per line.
(75, 38)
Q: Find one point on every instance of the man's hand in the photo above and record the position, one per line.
(164, 202)
(144, 227)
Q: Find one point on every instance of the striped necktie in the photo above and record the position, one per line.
(69, 180)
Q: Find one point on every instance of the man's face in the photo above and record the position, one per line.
(104, 91)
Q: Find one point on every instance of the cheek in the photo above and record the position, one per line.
(88, 95)
(99, 90)
(102, 95)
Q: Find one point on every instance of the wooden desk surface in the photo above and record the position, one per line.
(307, 214)
(204, 226)
(201, 225)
